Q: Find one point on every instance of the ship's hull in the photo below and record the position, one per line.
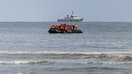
(70, 20)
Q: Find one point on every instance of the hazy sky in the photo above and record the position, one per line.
(50, 10)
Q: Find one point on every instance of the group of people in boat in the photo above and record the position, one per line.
(65, 27)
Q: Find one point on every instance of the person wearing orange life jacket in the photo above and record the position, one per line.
(53, 27)
(68, 28)
(57, 27)
(62, 27)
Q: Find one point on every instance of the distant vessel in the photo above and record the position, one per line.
(71, 18)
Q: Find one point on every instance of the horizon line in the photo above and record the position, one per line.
(63, 22)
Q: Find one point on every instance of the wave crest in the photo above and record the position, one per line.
(66, 52)
(23, 62)
(90, 57)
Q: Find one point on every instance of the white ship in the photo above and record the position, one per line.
(71, 18)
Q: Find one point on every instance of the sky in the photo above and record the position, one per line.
(51, 10)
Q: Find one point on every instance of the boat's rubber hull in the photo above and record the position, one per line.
(63, 31)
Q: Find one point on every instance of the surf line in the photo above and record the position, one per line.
(67, 52)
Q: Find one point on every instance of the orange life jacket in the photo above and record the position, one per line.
(68, 27)
(62, 27)
(53, 27)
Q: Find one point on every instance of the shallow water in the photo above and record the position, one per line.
(102, 48)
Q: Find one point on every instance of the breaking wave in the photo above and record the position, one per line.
(83, 57)
(23, 62)
(65, 52)
(110, 62)
(47, 62)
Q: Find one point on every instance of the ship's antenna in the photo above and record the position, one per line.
(72, 12)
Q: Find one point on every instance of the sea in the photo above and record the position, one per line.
(102, 48)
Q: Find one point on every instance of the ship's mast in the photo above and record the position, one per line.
(72, 13)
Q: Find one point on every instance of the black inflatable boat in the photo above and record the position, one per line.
(63, 28)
